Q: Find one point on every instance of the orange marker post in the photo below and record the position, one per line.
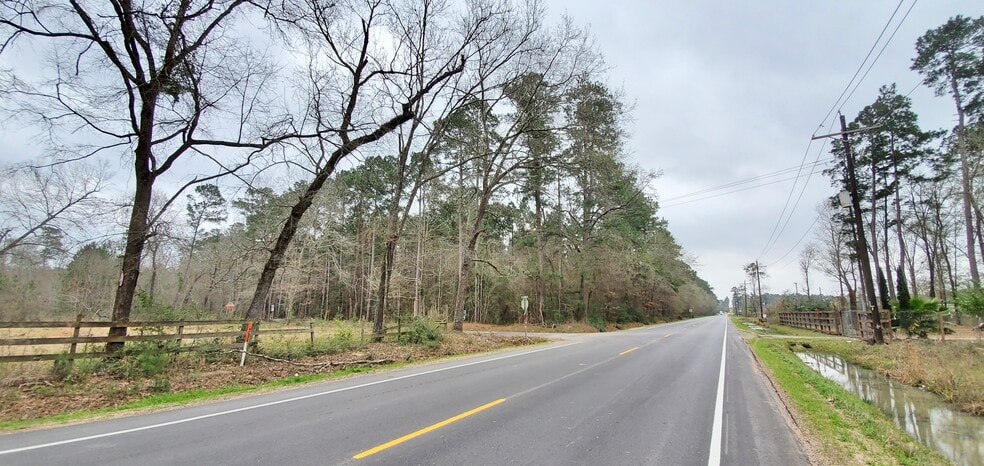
(249, 330)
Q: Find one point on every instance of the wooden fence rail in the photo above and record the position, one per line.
(832, 323)
(156, 329)
(828, 322)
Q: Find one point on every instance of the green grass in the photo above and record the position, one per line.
(742, 323)
(178, 398)
(954, 370)
(850, 430)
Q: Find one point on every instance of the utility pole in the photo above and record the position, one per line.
(862, 243)
(744, 296)
(758, 278)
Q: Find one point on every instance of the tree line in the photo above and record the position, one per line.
(920, 190)
(346, 159)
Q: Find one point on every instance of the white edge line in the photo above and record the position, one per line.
(714, 457)
(272, 403)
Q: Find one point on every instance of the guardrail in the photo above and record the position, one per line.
(189, 330)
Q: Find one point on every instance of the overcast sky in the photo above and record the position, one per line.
(727, 91)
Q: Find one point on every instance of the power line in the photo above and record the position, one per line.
(674, 204)
(776, 230)
(800, 240)
(740, 182)
(783, 218)
(861, 66)
(888, 41)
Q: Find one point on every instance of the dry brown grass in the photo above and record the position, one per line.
(954, 370)
(33, 392)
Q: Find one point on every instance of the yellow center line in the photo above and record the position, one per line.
(426, 430)
(623, 353)
(668, 334)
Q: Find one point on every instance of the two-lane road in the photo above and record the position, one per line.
(647, 396)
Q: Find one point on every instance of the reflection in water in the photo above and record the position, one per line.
(925, 416)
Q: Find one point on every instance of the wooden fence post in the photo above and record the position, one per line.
(180, 333)
(75, 336)
(312, 334)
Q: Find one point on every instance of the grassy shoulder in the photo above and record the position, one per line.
(150, 378)
(954, 369)
(850, 431)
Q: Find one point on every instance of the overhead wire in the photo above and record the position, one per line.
(783, 219)
(837, 103)
(674, 199)
(688, 201)
(880, 52)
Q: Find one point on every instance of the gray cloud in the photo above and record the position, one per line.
(725, 91)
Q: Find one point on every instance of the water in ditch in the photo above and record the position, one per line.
(958, 436)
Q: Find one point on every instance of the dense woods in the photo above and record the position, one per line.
(337, 160)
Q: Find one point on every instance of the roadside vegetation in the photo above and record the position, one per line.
(151, 375)
(846, 429)
(954, 370)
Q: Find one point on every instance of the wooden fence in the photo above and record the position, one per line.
(183, 331)
(828, 322)
(856, 324)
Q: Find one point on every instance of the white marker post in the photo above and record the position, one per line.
(249, 330)
(524, 302)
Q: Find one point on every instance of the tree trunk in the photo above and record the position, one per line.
(540, 245)
(904, 256)
(133, 250)
(888, 258)
(465, 262)
(967, 194)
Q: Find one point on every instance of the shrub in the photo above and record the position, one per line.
(343, 338)
(597, 321)
(422, 332)
(919, 318)
(62, 367)
(161, 385)
(971, 301)
(147, 308)
(152, 360)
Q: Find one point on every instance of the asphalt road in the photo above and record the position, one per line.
(645, 396)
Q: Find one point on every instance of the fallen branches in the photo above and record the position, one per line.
(318, 365)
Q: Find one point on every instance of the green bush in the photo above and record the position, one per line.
(147, 308)
(597, 321)
(344, 337)
(62, 367)
(971, 301)
(919, 318)
(152, 360)
(161, 385)
(422, 332)
(281, 348)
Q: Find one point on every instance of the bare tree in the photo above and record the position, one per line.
(528, 64)
(54, 197)
(361, 87)
(807, 260)
(833, 257)
(162, 81)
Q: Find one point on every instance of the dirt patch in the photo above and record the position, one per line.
(95, 385)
